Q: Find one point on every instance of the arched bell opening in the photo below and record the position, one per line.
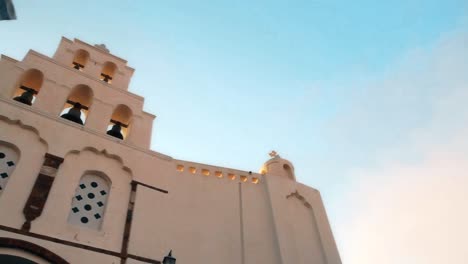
(28, 86)
(108, 71)
(120, 121)
(80, 60)
(77, 105)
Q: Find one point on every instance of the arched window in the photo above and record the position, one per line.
(24, 252)
(90, 200)
(8, 159)
(29, 85)
(80, 59)
(78, 103)
(108, 71)
(120, 121)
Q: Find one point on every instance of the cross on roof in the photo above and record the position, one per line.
(273, 154)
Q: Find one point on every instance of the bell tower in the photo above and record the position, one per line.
(85, 85)
(101, 100)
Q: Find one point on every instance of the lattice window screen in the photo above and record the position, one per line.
(8, 160)
(90, 200)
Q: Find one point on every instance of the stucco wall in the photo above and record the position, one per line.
(260, 242)
(198, 219)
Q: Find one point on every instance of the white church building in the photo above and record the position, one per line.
(80, 184)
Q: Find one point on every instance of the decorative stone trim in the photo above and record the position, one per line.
(18, 122)
(300, 198)
(41, 189)
(64, 121)
(128, 223)
(105, 153)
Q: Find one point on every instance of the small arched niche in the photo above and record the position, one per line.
(120, 121)
(78, 103)
(289, 171)
(108, 72)
(80, 60)
(28, 86)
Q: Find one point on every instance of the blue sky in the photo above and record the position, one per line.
(342, 89)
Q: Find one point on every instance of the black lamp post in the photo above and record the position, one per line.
(169, 259)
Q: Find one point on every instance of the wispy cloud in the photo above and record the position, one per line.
(412, 205)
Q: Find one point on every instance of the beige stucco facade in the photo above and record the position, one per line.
(155, 203)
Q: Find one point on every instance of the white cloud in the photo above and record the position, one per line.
(413, 206)
(410, 214)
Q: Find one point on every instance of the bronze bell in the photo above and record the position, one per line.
(26, 97)
(106, 78)
(116, 131)
(74, 114)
